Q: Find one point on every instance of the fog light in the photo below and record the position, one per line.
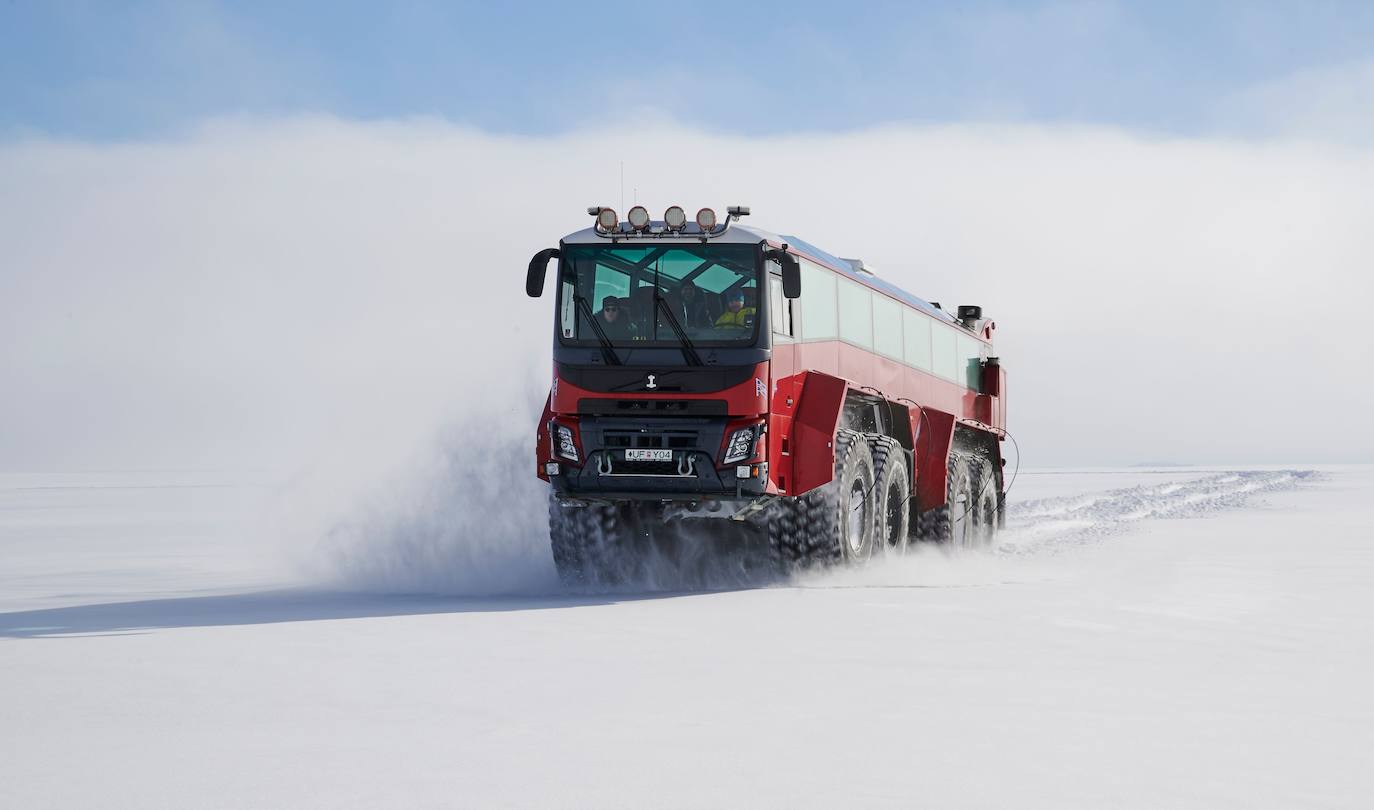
(743, 471)
(551, 468)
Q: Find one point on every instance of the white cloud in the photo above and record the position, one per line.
(267, 290)
(1327, 102)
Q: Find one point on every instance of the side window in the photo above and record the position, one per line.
(971, 359)
(779, 308)
(856, 314)
(595, 281)
(887, 326)
(817, 302)
(945, 347)
(916, 330)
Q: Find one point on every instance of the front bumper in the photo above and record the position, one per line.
(690, 475)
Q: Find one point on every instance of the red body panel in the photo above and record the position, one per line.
(740, 400)
(895, 380)
(543, 447)
(783, 385)
(812, 441)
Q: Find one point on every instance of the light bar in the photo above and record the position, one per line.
(675, 218)
(706, 218)
(638, 217)
(606, 219)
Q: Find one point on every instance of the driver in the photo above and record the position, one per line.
(694, 314)
(736, 314)
(615, 323)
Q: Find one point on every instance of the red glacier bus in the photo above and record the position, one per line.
(711, 370)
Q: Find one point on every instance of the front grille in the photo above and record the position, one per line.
(652, 407)
(633, 379)
(674, 439)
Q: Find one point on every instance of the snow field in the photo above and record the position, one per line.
(1145, 639)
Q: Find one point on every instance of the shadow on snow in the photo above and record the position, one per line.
(277, 606)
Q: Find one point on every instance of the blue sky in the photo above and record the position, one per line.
(127, 70)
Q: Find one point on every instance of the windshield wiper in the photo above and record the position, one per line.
(688, 350)
(607, 350)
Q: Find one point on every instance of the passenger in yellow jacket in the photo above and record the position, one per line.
(737, 315)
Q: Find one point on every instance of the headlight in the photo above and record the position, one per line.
(563, 437)
(741, 445)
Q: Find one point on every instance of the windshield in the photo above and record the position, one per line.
(638, 294)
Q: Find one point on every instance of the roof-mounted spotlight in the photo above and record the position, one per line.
(606, 219)
(706, 219)
(737, 211)
(675, 218)
(638, 217)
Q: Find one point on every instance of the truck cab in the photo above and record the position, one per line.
(663, 373)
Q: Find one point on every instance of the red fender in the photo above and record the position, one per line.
(819, 406)
(935, 433)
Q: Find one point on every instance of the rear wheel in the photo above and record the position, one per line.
(950, 522)
(835, 522)
(892, 495)
(983, 501)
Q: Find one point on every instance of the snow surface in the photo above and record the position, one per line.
(1142, 638)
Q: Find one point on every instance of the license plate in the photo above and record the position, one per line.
(648, 455)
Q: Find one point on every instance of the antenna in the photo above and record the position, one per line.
(622, 185)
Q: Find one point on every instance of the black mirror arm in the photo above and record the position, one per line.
(539, 265)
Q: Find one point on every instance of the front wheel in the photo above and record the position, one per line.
(593, 545)
(835, 522)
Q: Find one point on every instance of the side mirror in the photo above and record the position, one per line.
(791, 276)
(791, 272)
(534, 279)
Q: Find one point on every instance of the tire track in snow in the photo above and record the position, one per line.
(1046, 523)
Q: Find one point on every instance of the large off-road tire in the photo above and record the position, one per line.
(892, 495)
(593, 545)
(833, 523)
(950, 522)
(983, 501)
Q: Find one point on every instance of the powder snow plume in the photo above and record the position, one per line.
(466, 517)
